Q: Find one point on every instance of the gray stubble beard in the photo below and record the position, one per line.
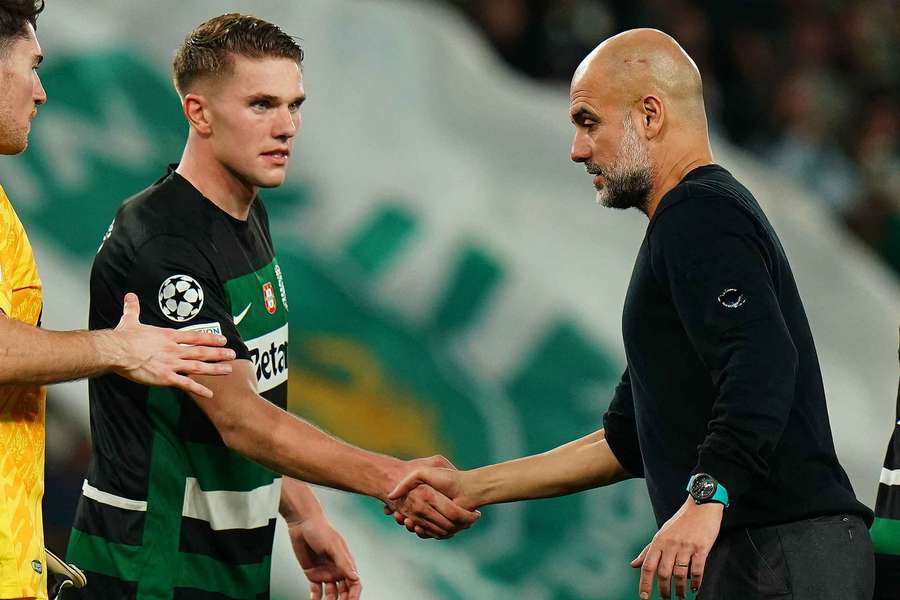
(629, 181)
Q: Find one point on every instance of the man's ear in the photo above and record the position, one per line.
(653, 115)
(196, 111)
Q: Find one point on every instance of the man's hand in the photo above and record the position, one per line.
(326, 560)
(680, 548)
(438, 486)
(163, 357)
(425, 511)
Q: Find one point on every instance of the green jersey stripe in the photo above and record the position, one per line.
(208, 574)
(218, 468)
(186, 570)
(164, 497)
(886, 535)
(96, 554)
(262, 291)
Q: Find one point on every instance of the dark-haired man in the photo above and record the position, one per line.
(31, 357)
(182, 494)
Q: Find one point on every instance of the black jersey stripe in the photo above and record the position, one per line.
(887, 579)
(232, 546)
(277, 396)
(892, 456)
(887, 503)
(195, 426)
(114, 524)
(183, 593)
(103, 587)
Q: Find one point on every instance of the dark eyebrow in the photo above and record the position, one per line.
(273, 99)
(583, 114)
(262, 98)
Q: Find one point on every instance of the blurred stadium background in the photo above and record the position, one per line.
(453, 287)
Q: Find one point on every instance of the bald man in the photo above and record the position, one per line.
(721, 408)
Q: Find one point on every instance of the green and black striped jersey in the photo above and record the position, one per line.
(167, 510)
(886, 528)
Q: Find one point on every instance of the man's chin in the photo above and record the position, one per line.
(12, 149)
(269, 180)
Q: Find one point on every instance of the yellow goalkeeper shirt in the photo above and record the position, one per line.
(23, 571)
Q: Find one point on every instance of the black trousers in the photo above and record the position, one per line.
(825, 558)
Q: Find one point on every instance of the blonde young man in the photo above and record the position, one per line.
(31, 357)
(182, 493)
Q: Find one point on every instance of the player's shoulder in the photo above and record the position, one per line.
(6, 207)
(169, 208)
(708, 200)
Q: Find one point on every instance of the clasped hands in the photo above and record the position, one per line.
(429, 500)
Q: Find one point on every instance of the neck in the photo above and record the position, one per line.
(215, 181)
(673, 171)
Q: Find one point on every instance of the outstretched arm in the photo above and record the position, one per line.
(261, 431)
(582, 464)
(145, 354)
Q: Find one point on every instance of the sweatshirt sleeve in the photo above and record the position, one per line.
(712, 259)
(620, 428)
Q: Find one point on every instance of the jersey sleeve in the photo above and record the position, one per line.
(715, 264)
(178, 288)
(620, 428)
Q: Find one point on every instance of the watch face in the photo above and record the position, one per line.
(703, 488)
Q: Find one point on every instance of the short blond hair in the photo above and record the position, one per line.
(207, 51)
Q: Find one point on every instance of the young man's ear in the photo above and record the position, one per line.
(197, 113)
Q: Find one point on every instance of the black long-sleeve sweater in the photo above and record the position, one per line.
(722, 375)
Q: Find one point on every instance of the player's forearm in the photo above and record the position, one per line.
(294, 447)
(579, 465)
(31, 355)
(298, 501)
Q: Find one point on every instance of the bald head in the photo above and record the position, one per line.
(637, 105)
(642, 62)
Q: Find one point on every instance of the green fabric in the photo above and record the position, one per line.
(886, 536)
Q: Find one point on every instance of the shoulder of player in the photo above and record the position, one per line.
(706, 209)
(156, 212)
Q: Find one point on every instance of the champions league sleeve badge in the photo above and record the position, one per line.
(180, 298)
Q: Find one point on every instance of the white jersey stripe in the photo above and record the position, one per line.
(93, 493)
(232, 510)
(889, 477)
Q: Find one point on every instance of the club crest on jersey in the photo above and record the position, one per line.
(180, 298)
(269, 297)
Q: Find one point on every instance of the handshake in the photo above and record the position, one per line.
(430, 499)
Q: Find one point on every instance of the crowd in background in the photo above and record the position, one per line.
(810, 86)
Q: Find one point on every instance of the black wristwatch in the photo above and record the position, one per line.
(704, 489)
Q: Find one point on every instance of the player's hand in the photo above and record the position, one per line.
(326, 560)
(685, 539)
(429, 501)
(165, 357)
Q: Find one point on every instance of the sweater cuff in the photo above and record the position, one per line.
(736, 479)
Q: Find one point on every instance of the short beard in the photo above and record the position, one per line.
(629, 181)
(12, 141)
